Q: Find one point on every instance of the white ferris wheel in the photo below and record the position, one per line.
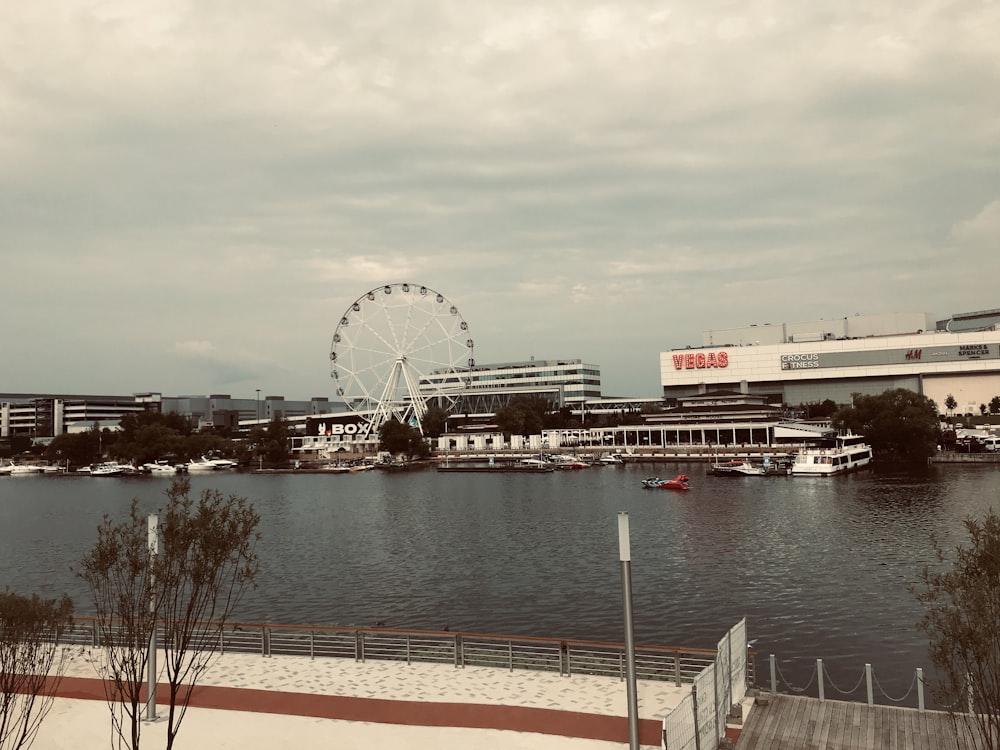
(398, 349)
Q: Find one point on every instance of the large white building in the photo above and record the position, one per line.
(832, 359)
(566, 382)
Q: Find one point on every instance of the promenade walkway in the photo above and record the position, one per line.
(252, 702)
(801, 723)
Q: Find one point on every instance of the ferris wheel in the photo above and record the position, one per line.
(398, 349)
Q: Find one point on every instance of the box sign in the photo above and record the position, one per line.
(885, 357)
(344, 428)
(700, 360)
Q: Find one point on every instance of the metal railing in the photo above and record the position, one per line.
(563, 656)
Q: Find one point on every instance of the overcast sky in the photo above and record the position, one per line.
(192, 193)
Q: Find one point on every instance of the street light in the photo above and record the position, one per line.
(258, 405)
(625, 558)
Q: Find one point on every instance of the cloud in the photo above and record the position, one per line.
(982, 230)
(194, 349)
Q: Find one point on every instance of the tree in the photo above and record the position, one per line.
(524, 415)
(995, 405)
(118, 572)
(962, 609)
(435, 421)
(206, 561)
(982, 410)
(32, 663)
(396, 437)
(950, 403)
(899, 424)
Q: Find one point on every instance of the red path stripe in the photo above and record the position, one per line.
(379, 711)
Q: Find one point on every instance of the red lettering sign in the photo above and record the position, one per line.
(914, 353)
(700, 360)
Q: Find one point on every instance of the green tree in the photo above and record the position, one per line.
(435, 421)
(961, 597)
(950, 403)
(276, 448)
(32, 663)
(524, 415)
(79, 448)
(899, 424)
(396, 437)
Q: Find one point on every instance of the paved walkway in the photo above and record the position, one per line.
(249, 702)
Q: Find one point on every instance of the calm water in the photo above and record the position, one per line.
(819, 567)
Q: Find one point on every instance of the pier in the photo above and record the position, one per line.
(788, 722)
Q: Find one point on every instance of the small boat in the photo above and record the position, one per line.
(736, 468)
(680, 482)
(159, 468)
(611, 459)
(205, 463)
(107, 469)
(24, 470)
(567, 463)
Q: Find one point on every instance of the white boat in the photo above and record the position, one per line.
(159, 468)
(563, 462)
(611, 459)
(107, 469)
(770, 466)
(846, 453)
(200, 465)
(25, 470)
(204, 464)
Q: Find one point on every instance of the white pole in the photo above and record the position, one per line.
(153, 542)
(625, 556)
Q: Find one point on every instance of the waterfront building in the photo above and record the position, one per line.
(832, 359)
(44, 416)
(563, 382)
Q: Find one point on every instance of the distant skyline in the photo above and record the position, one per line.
(191, 195)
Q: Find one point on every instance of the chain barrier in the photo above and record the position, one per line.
(906, 695)
(789, 685)
(833, 684)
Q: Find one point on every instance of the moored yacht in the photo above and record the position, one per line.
(845, 453)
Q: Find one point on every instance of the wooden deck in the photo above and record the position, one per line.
(799, 723)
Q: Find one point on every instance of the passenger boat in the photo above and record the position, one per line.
(845, 453)
(680, 482)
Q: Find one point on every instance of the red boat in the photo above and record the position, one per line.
(680, 482)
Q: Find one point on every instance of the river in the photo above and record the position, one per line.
(820, 567)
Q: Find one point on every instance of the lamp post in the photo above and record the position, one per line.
(625, 556)
(258, 405)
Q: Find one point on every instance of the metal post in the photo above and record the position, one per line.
(819, 678)
(920, 690)
(774, 676)
(152, 540)
(868, 680)
(694, 708)
(625, 557)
